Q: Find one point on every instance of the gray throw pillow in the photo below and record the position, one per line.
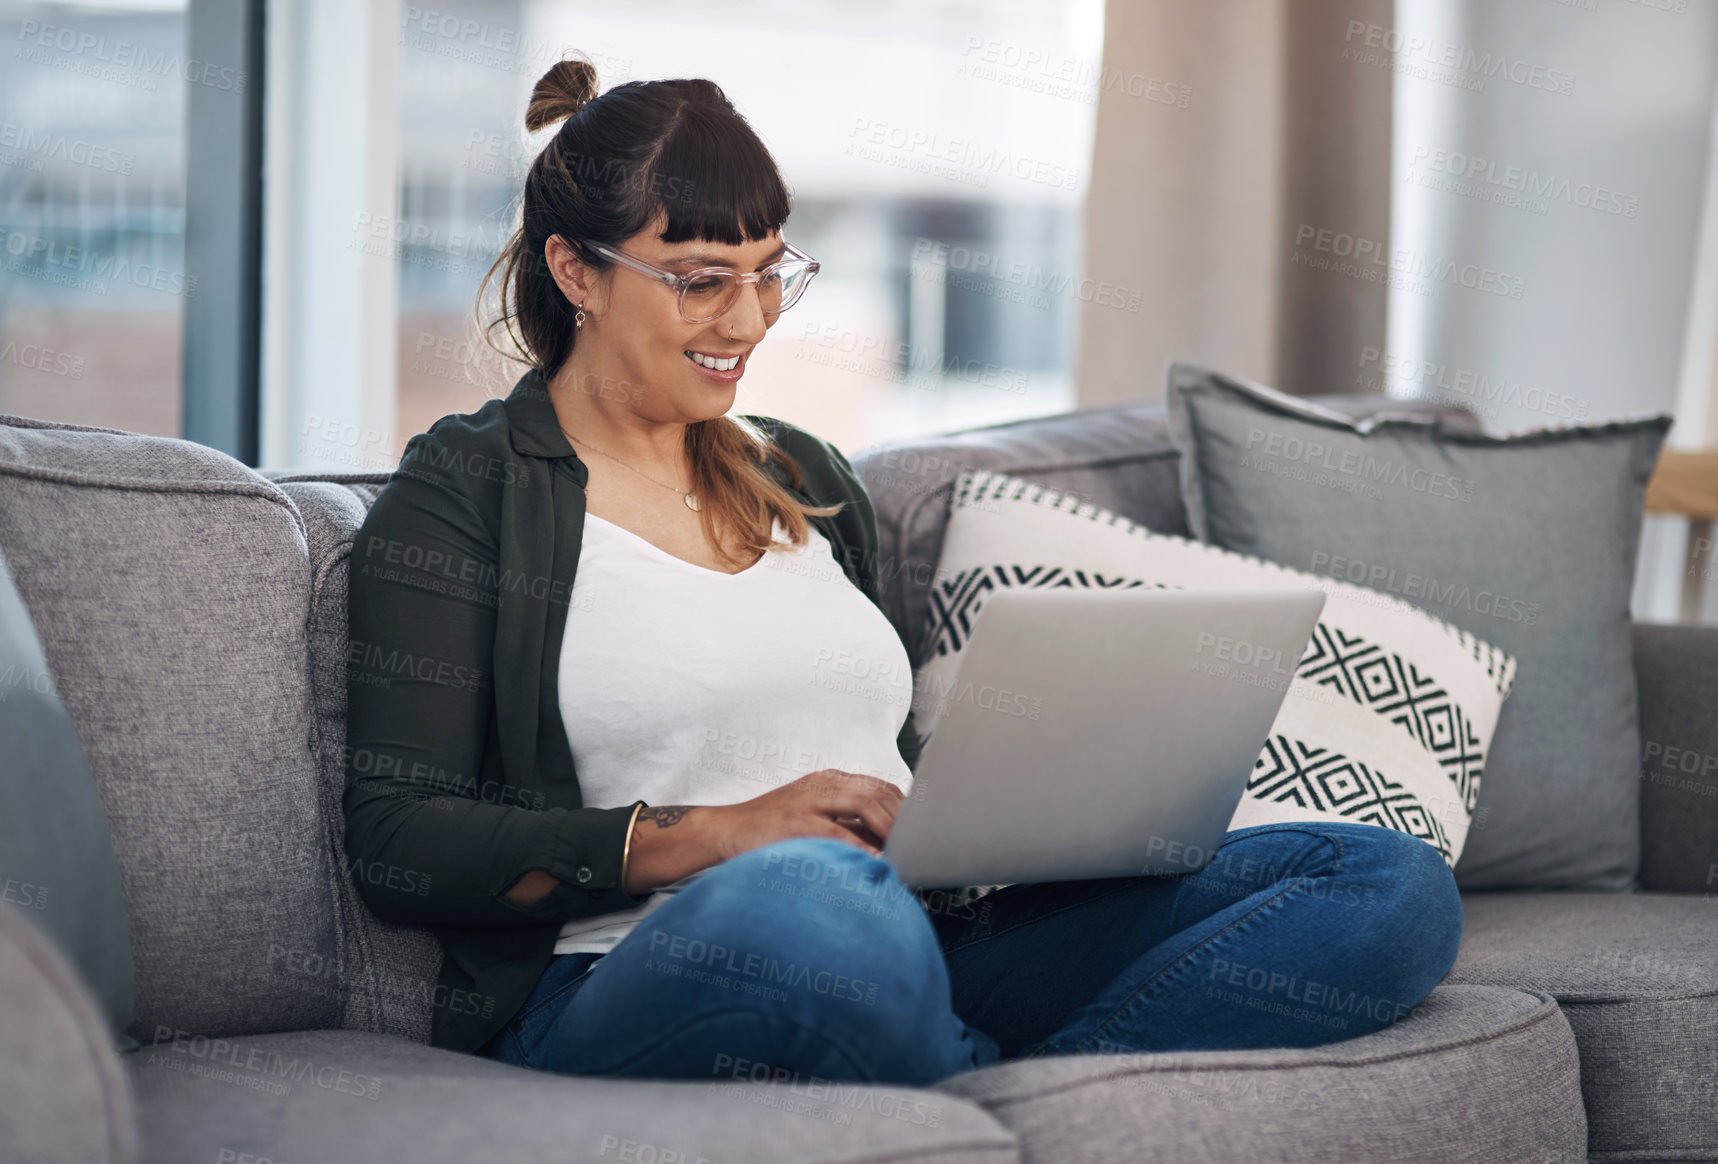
(1527, 541)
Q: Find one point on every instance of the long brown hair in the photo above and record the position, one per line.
(641, 150)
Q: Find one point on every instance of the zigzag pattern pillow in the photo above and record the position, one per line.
(1388, 716)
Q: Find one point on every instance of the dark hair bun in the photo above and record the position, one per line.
(561, 92)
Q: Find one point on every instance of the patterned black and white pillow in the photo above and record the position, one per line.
(1389, 713)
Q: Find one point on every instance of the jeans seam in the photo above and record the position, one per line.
(1288, 827)
(518, 1024)
(1300, 882)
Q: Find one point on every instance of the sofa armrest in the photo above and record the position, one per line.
(64, 1094)
(1677, 670)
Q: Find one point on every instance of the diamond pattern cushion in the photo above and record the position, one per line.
(1385, 718)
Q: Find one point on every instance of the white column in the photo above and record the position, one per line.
(330, 275)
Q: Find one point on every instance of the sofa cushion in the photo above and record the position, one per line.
(56, 851)
(1118, 457)
(64, 1095)
(1637, 976)
(348, 1097)
(386, 974)
(1527, 540)
(170, 587)
(1471, 1073)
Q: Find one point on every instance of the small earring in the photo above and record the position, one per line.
(579, 315)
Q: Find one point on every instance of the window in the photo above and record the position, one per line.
(93, 285)
(938, 154)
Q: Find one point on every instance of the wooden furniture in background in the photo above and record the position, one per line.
(1686, 485)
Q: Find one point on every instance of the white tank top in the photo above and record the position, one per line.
(684, 685)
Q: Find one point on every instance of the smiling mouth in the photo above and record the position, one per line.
(714, 363)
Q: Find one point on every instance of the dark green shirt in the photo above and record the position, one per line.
(459, 774)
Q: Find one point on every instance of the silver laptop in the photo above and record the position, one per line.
(1096, 733)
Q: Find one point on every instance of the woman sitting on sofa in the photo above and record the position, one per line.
(647, 843)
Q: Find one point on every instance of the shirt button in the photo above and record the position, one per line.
(584, 874)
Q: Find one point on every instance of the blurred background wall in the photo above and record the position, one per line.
(1021, 207)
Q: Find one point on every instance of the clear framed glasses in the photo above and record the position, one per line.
(707, 292)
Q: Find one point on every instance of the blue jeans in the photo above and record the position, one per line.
(808, 957)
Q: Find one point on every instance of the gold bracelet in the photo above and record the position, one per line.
(626, 852)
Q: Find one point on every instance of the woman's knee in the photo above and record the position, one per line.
(1413, 865)
(1411, 888)
(825, 924)
(826, 902)
(1394, 887)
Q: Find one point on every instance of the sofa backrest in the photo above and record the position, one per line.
(170, 588)
(1117, 457)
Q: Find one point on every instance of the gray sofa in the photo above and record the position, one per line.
(191, 613)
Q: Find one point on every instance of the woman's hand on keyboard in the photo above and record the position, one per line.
(844, 806)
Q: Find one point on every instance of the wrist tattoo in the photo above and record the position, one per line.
(665, 816)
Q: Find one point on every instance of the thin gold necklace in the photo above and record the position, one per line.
(688, 498)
